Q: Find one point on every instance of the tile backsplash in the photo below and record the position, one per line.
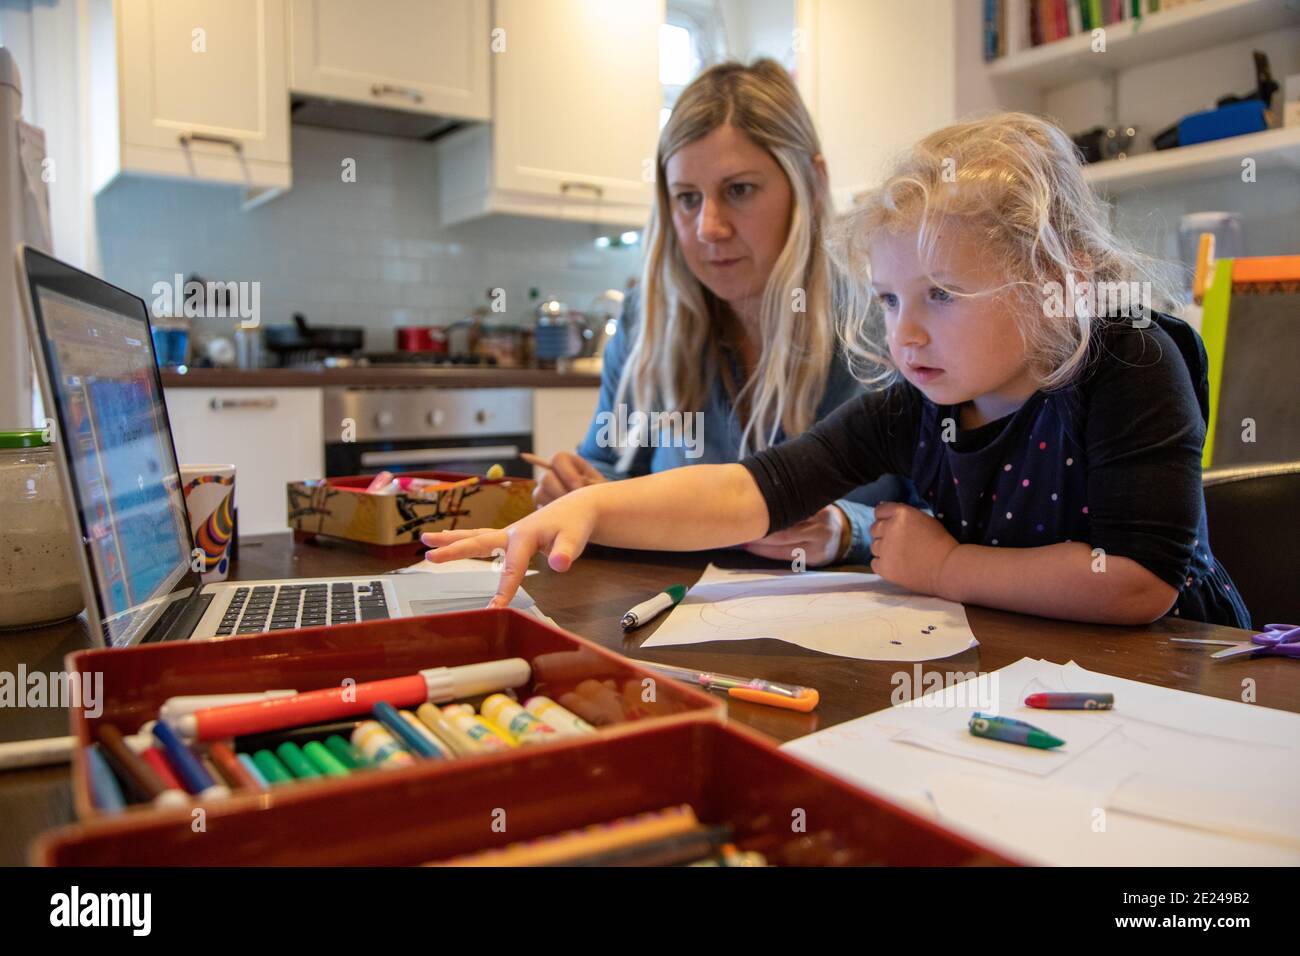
(370, 252)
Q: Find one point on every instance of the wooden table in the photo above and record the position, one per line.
(592, 597)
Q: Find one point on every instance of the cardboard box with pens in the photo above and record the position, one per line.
(342, 508)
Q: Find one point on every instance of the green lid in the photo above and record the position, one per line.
(32, 438)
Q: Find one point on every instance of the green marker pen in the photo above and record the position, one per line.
(647, 611)
(293, 758)
(324, 761)
(1011, 731)
(274, 771)
(345, 753)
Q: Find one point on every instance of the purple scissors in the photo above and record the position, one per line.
(1282, 640)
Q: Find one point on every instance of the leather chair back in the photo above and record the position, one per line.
(1253, 513)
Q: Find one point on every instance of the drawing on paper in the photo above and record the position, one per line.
(842, 613)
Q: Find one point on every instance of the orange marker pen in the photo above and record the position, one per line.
(753, 689)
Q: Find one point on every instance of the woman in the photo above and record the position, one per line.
(734, 326)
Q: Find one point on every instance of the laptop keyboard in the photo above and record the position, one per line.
(280, 607)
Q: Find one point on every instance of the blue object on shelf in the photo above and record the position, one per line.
(171, 346)
(1235, 119)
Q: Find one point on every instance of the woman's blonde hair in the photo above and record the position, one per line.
(1018, 181)
(679, 337)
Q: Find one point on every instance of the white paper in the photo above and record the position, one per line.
(947, 731)
(1038, 823)
(835, 612)
(1175, 779)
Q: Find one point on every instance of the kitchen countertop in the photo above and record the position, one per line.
(450, 376)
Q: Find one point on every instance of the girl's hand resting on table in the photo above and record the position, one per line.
(568, 472)
(909, 547)
(560, 530)
(821, 537)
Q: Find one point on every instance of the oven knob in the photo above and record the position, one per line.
(482, 415)
(383, 419)
(437, 417)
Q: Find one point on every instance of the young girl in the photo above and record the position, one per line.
(1053, 423)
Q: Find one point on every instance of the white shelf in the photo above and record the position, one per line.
(1157, 36)
(1271, 149)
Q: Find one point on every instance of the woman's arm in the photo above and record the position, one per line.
(860, 518)
(602, 455)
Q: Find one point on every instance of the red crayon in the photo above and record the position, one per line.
(1084, 701)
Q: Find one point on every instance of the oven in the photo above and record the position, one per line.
(397, 429)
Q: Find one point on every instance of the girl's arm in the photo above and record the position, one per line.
(1063, 580)
(1069, 580)
(699, 507)
(684, 509)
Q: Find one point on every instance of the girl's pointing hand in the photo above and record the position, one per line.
(560, 530)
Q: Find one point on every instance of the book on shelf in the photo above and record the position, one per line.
(1011, 26)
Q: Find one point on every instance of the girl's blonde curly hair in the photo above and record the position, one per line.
(1018, 180)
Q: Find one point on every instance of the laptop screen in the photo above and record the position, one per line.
(113, 429)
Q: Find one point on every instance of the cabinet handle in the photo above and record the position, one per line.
(420, 456)
(382, 89)
(221, 404)
(187, 138)
(565, 188)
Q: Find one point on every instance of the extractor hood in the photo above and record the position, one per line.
(364, 118)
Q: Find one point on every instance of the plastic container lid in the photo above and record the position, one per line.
(31, 438)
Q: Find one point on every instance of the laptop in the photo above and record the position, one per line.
(95, 362)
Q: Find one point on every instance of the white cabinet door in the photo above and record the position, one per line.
(561, 417)
(577, 98)
(575, 116)
(271, 435)
(424, 56)
(204, 90)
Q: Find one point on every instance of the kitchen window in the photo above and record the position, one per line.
(688, 42)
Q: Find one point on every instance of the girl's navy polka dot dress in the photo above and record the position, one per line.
(1021, 482)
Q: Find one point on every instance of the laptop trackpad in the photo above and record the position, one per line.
(470, 602)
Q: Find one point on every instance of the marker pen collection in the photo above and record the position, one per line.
(269, 739)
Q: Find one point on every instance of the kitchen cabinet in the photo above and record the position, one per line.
(575, 116)
(422, 56)
(561, 417)
(271, 435)
(194, 89)
(853, 58)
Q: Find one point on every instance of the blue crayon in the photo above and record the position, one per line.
(193, 775)
(253, 771)
(414, 741)
(104, 788)
(1011, 731)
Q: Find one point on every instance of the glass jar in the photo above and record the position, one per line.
(40, 578)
